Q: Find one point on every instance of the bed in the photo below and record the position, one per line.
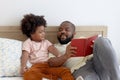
(11, 39)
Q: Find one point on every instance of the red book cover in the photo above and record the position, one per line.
(83, 45)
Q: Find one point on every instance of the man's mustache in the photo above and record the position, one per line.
(63, 34)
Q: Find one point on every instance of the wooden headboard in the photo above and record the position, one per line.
(14, 32)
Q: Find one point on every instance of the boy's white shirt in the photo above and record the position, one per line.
(72, 63)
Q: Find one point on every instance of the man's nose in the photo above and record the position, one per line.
(63, 31)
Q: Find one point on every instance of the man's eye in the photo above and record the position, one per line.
(60, 29)
(41, 31)
(67, 29)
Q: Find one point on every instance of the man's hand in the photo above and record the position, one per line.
(92, 44)
(70, 51)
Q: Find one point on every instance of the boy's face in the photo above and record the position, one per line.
(39, 34)
(65, 33)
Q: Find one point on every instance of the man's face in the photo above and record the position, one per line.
(65, 33)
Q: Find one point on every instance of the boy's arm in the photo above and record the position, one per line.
(58, 60)
(24, 59)
(52, 49)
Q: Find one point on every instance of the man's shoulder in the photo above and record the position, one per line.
(58, 44)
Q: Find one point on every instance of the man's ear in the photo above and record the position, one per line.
(74, 33)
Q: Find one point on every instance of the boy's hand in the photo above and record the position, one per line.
(23, 69)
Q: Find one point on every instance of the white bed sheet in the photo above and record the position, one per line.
(16, 78)
(11, 78)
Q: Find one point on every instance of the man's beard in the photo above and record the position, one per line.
(67, 40)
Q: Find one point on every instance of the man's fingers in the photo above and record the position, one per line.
(73, 51)
(73, 48)
(91, 46)
(93, 41)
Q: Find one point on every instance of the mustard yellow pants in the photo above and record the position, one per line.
(43, 70)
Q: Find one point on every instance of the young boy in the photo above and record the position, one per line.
(36, 49)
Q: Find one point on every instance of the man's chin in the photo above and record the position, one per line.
(63, 40)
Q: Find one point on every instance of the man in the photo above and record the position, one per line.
(102, 65)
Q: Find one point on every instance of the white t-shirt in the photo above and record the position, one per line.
(38, 51)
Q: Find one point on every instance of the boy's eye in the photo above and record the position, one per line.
(41, 31)
(67, 29)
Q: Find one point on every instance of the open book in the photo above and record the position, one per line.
(84, 45)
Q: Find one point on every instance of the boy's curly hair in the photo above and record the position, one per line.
(30, 22)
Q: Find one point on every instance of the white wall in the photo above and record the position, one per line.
(80, 12)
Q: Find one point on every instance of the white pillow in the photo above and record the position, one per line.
(10, 52)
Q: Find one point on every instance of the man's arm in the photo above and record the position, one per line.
(59, 61)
